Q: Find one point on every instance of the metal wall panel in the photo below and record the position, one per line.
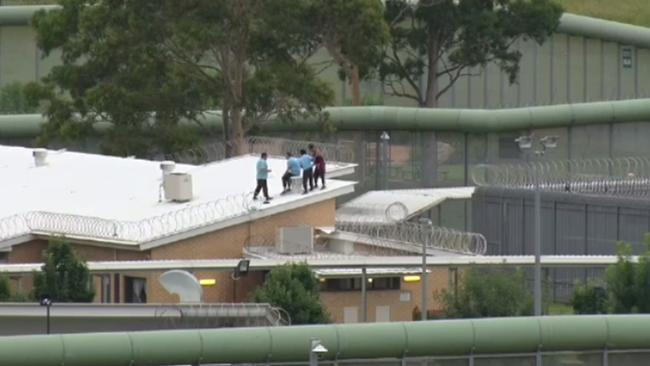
(627, 70)
(17, 55)
(643, 72)
(559, 75)
(610, 71)
(526, 81)
(601, 229)
(594, 70)
(542, 74)
(576, 67)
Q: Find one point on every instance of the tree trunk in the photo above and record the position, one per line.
(237, 132)
(225, 119)
(431, 97)
(355, 82)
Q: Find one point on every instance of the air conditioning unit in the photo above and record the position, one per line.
(295, 240)
(178, 187)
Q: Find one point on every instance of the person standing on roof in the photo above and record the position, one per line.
(263, 171)
(293, 170)
(307, 165)
(319, 170)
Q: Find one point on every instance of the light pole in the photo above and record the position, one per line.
(526, 144)
(47, 302)
(425, 244)
(316, 349)
(385, 139)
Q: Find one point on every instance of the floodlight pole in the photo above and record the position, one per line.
(425, 243)
(538, 247)
(526, 143)
(364, 296)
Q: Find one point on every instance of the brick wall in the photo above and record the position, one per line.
(229, 243)
(337, 301)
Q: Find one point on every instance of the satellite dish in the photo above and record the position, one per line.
(183, 284)
(396, 212)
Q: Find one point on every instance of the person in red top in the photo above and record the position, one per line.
(319, 164)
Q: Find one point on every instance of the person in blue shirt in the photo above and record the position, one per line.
(262, 175)
(293, 170)
(307, 165)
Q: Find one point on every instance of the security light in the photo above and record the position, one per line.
(425, 221)
(549, 142)
(242, 268)
(317, 347)
(524, 142)
(384, 136)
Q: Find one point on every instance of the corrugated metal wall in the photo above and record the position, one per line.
(565, 69)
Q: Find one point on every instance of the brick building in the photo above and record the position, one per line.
(118, 209)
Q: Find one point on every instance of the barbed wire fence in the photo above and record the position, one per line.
(627, 176)
(411, 236)
(128, 231)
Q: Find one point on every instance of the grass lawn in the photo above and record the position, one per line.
(560, 309)
(626, 11)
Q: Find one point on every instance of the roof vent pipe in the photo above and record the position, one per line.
(40, 157)
(167, 167)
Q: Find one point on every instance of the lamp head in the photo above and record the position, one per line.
(425, 221)
(524, 142)
(317, 347)
(45, 300)
(242, 268)
(549, 142)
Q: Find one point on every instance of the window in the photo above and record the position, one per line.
(4, 257)
(354, 284)
(135, 290)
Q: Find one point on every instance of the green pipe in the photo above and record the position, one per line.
(416, 119)
(344, 341)
(573, 24)
(21, 14)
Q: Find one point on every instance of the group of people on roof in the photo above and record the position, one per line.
(310, 163)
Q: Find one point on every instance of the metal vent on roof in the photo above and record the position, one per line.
(178, 187)
(40, 157)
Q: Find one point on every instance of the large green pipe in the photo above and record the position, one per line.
(577, 25)
(418, 119)
(358, 341)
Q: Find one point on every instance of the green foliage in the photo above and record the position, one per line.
(63, 277)
(14, 100)
(589, 299)
(436, 41)
(484, 293)
(294, 288)
(146, 65)
(5, 292)
(621, 279)
(353, 32)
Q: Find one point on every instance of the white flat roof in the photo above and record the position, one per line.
(397, 205)
(113, 199)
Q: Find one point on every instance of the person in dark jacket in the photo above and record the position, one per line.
(319, 170)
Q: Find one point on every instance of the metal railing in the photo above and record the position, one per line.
(342, 151)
